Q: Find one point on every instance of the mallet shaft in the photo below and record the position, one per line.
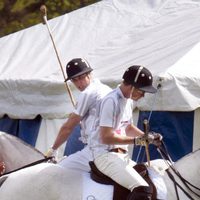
(44, 13)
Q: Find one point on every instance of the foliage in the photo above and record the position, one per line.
(19, 14)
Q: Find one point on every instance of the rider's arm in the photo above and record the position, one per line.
(134, 131)
(66, 130)
(109, 136)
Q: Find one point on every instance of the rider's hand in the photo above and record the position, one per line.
(157, 139)
(51, 153)
(151, 138)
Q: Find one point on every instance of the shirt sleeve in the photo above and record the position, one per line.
(107, 113)
(82, 105)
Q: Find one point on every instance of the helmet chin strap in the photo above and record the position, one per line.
(132, 90)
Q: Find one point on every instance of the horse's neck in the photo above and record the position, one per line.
(189, 167)
(16, 153)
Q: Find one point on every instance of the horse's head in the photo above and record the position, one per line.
(15, 153)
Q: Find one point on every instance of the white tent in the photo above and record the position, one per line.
(162, 35)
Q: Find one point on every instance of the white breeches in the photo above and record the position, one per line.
(119, 167)
(78, 161)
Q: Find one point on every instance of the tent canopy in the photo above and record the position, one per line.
(162, 35)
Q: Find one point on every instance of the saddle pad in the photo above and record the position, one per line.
(94, 191)
(159, 183)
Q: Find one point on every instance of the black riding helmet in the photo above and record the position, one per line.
(140, 77)
(77, 67)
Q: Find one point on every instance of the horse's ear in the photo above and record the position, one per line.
(2, 168)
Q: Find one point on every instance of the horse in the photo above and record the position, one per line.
(48, 181)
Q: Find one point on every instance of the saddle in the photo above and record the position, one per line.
(120, 192)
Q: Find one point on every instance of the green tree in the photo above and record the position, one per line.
(19, 14)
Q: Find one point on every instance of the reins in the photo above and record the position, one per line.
(29, 165)
(164, 154)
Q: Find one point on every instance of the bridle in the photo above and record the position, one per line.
(46, 159)
(165, 156)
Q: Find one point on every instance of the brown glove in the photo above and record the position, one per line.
(157, 141)
(151, 138)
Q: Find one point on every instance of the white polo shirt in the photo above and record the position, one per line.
(116, 111)
(87, 103)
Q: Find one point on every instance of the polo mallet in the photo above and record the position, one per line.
(146, 131)
(43, 10)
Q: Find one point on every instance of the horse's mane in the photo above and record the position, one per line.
(188, 159)
(189, 155)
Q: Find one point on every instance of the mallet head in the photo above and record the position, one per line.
(43, 10)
